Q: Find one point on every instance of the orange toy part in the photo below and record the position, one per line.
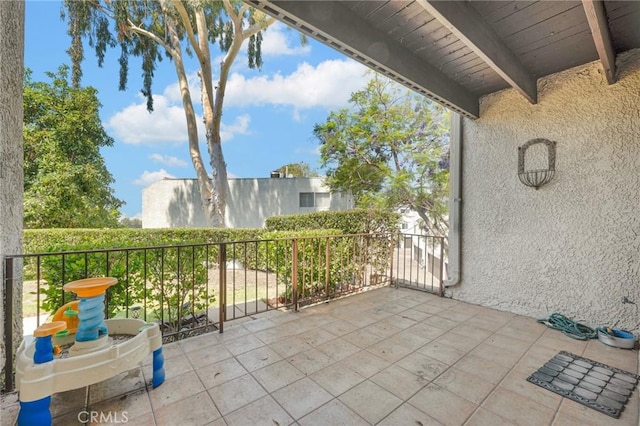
(90, 287)
(49, 328)
(72, 321)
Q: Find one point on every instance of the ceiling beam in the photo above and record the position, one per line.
(469, 27)
(596, 16)
(335, 24)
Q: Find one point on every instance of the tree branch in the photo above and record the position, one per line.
(140, 31)
(188, 28)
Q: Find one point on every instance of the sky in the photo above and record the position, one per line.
(268, 115)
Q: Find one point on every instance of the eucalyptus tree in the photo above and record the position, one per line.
(391, 149)
(153, 29)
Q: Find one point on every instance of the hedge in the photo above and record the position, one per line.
(356, 221)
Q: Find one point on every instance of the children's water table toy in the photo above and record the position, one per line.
(94, 349)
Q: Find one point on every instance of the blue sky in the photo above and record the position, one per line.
(268, 116)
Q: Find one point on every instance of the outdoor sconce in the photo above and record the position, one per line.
(537, 177)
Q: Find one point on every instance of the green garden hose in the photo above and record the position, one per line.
(573, 329)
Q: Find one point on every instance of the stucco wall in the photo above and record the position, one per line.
(173, 203)
(572, 246)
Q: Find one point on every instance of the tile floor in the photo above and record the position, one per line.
(384, 357)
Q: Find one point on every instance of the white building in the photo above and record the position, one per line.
(175, 203)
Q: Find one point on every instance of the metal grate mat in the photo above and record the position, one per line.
(591, 383)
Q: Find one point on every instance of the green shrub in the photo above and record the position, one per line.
(355, 221)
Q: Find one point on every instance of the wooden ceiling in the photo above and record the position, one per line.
(457, 51)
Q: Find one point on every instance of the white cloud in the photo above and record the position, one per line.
(239, 127)
(327, 85)
(166, 125)
(278, 41)
(147, 177)
(168, 160)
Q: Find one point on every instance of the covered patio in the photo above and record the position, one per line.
(387, 356)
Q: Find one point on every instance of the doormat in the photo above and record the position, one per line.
(591, 383)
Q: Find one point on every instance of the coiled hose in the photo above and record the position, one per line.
(573, 329)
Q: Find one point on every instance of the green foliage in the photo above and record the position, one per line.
(354, 221)
(128, 222)
(173, 276)
(301, 169)
(66, 182)
(391, 149)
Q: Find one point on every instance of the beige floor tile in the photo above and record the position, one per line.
(382, 329)
(332, 413)
(429, 308)
(317, 337)
(220, 372)
(68, 402)
(415, 315)
(425, 330)
(389, 350)
(510, 343)
(441, 352)
(501, 355)
(483, 323)
(195, 410)
(554, 339)
(217, 422)
(624, 359)
(399, 381)
(172, 367)
(471, 331)
(336, 379)
(487, 370)
(444, 406)
(175, 389)
(243, 344)
(120, 384)
(362, 338)
(310, 361)
(195, 343)
(361, 320)
(441, 322)
(407, 414)
(144, 420)
(409, 340)
(274, 335)
(340, 328)
(484, 417)
(370, 401)
(516, 382)
(518, 409)
(365, 363)
(236, 393)
(571, 412)
(278, 375)
(458, 315)
(263, 412)
(258, 358)
(422, 366)
(133, 405)
(301, 397)
(469, 386)
(459, 341)
(338, 348)
(231, 332)
(259, 324)
(208, 355)
(290, 346)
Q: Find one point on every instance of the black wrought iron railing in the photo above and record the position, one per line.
(195, 288)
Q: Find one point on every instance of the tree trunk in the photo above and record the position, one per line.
(11, 155)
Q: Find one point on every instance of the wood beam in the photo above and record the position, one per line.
(597, 18)
(473, 31)
(335, 24)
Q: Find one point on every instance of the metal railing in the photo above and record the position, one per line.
(195, 288)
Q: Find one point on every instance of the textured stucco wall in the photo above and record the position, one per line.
(174, 203)
(572, 246)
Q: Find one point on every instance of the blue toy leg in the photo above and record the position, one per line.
(35, 413)
(158, 368)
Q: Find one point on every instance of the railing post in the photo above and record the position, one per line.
(8, 323)
(294, 273)
(222, 278)
(391, 251)
(441, 292)
(327, 253)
